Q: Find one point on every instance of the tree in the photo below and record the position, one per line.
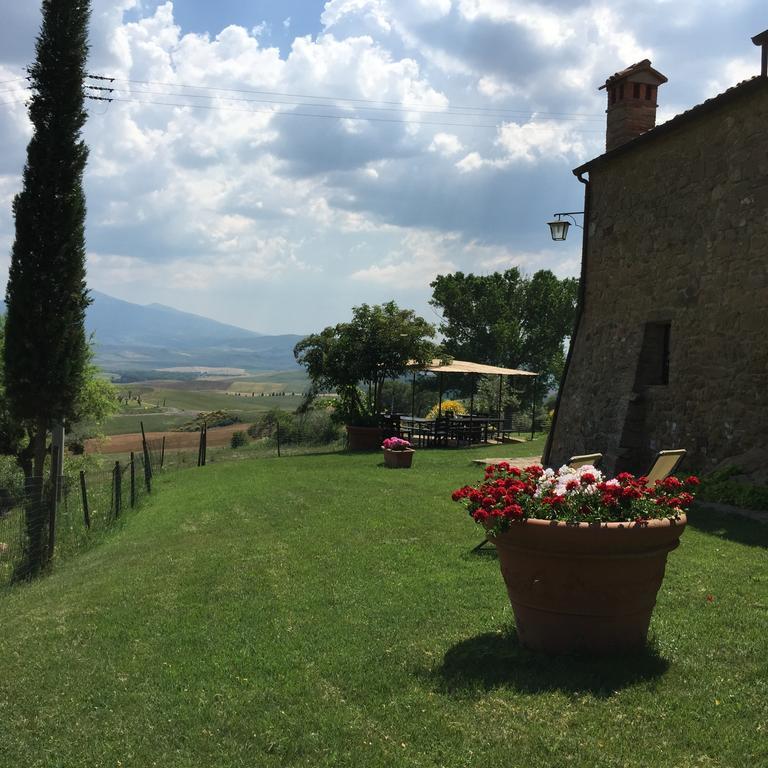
(46, 351)
(378, 344)
(508, 319)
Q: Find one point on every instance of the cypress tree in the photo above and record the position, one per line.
(45, 344)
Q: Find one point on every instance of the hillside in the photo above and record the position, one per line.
(148, 337)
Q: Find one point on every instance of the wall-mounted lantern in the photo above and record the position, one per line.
(559, 228)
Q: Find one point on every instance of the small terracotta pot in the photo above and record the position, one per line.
(363, 438)
(398, 459)
(585, 587)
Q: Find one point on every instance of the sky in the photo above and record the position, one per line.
(272, 164)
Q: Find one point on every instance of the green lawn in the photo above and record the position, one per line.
(325, 611)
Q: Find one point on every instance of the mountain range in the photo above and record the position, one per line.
(130, 337)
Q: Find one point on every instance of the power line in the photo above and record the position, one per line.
(275, 113)
(403, 105)
(413, 110)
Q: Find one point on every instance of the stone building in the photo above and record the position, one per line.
(670, 348)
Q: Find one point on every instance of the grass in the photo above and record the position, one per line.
(322, 610)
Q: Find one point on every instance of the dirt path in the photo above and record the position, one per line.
(217, 436)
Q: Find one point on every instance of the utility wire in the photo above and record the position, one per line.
(275, 113)
(403, 105)
(412, 110)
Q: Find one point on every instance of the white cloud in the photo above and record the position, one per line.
(446, 144)
(733, 71)
(237, 191)
(418, 259)
(370, 10)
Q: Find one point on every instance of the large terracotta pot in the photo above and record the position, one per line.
(363, 438)
(585, 587)
(398, 459)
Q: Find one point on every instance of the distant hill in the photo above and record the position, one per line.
(145, 337)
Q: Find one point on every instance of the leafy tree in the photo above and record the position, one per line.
(376, 345)
(11, 433)
(487, 396)
(46, 352)
(508, 319)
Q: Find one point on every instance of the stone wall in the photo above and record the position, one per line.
(678, 233)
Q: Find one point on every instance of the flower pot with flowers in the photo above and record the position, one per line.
(582, 557)
(398, 453)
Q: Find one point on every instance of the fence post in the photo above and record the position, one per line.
(200, 448)
(147, 465)
(84, 492)
(278, 438)
(54, 500)
(205, 443)
(147, 460)
(162, 454)
(118, 489)
(133, 480)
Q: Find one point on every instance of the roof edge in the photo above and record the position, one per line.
(710, 105)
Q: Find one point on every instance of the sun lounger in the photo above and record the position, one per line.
(665, 463)
(588, 458)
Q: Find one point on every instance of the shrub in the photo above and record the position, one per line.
(210, 419)
(315, 427)
(238, 439)
(721, 487)
(449, 406)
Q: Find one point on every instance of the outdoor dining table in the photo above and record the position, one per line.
(449, 431)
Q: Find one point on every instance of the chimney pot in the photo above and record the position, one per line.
(631, 103)
(762, 40)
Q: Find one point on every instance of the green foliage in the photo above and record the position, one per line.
(238, 439)
(447, 407)
(312, 427)
(508, 319)
(46, 352)
(487, 395)
(210, 419)
(11, 433)
(376, 345)
(721, 487)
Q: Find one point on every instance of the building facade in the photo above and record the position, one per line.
(671, 344)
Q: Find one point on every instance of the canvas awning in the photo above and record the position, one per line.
(463, 366)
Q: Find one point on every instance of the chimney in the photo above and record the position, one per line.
(762, 41)
(631, 103)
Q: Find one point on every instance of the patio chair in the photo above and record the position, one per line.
(587, 458)
(665, 463)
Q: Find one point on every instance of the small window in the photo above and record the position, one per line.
(653, 365)
(648, 92)
(613, 96)
(621, 91)
(636, 90)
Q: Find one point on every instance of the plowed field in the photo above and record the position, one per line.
(217, 436)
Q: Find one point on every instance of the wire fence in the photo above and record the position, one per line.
(64, 515)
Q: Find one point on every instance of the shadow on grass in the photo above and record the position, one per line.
(729, 526)
(497, 660)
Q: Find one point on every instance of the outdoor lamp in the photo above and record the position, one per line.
(559, 228)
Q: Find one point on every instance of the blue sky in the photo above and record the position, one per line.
(272, 164)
